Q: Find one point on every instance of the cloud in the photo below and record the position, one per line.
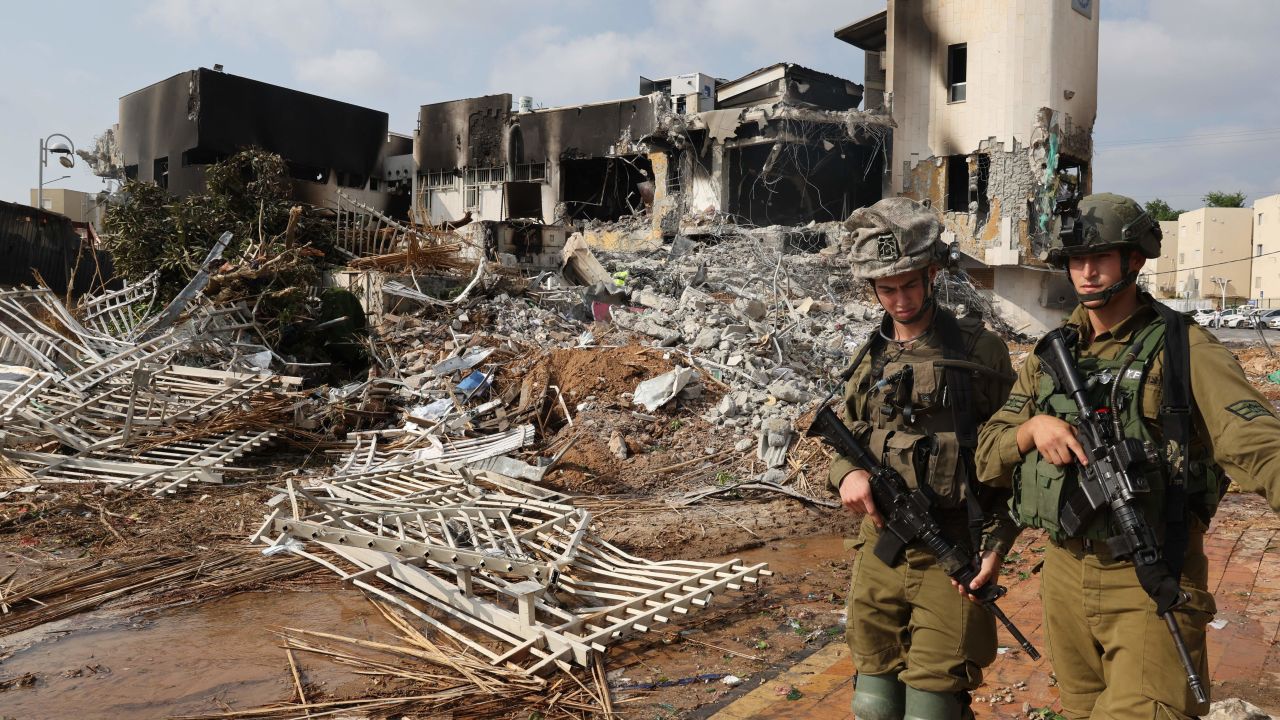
(1178, 68)
(357, 72)
(295, 24)
(556, 68)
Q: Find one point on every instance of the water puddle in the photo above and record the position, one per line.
(192, 660)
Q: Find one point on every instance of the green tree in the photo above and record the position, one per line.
(1159, 210)
(1224, 199)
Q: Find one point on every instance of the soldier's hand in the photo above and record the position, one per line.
(1054, 438)
(987, 572)
(855, 494)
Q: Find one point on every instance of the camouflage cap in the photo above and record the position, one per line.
(893, 236)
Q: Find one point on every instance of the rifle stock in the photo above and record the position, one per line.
(907, 520)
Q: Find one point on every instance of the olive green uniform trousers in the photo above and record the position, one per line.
(911, 620)
(1113, 656)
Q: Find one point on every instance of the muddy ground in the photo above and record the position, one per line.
(205, 643)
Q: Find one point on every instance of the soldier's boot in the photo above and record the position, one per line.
(923, 705)
(878, 697)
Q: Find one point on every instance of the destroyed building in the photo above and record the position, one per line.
(993, 106)
(784, 145)
(171, 131)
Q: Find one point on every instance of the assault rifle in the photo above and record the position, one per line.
(907, 519)
(1113, 480)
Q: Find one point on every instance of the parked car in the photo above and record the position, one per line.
(1230, 318)
(1266, 318)
(1205, 317)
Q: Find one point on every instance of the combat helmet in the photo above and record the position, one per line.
(893, 236)
(1103, 222)
(1106, 221)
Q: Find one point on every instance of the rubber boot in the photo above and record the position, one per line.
(878, 697)
(922, 705)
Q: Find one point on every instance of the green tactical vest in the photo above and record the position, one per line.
(1041, 488)
(923, 447)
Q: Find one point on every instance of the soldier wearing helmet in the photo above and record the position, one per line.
(917, 391)
(1175, 388)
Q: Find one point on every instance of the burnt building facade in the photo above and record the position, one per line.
(782, 145)
(171, 131)
(993, 103)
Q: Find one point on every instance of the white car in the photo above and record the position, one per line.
(1230, 318)
(1205, 317)
(1266, 318)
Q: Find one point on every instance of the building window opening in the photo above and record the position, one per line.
(352, 180)
(201, 156)
(1259, 249)
(958, 183)
(309, 173)
(605, 189)
(792, 184)
(957, 72)
(160, 172)
(980, 186)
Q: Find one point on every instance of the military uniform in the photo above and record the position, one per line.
(909, 620)
(1111, 653)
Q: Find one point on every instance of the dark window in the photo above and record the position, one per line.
(352, 180)
(980, 187)
(957, 72)
(131, 172)
(201, 156)
(160, 171)
(310, 173)
(958, 183)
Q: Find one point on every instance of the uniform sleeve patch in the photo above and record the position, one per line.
(1015, 403)
(1248, 409)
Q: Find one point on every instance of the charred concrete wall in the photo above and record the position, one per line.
(170, 131)
(40, 244)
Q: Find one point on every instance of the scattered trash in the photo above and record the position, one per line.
(656, 392)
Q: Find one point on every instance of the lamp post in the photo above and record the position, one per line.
(67, 152)
(1222, 283)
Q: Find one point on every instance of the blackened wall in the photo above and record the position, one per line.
(462, 133)
(37, 241)
(201, 116)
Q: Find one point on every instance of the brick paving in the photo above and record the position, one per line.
(1243, 546)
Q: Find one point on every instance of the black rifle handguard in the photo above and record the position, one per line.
(907, 520)
(1109, 481)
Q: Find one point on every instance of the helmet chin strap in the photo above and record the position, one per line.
(1106, 294)
(925, 306)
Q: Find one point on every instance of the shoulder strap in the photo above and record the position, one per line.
(959, 386)
(1175, 424)
(960, 389)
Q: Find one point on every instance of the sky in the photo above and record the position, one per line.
(1187, 103)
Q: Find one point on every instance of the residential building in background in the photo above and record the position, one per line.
(993, 103)
(80, 207)
(1266, 251)
(1159, 276)
(1215, 250)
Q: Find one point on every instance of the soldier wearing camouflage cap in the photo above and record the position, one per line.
(1171, 386)
(915, 399)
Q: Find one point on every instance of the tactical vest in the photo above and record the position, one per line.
(1041, 488)
(909, 406)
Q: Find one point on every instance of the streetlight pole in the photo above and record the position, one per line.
(1221, 282)
(66, 150)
